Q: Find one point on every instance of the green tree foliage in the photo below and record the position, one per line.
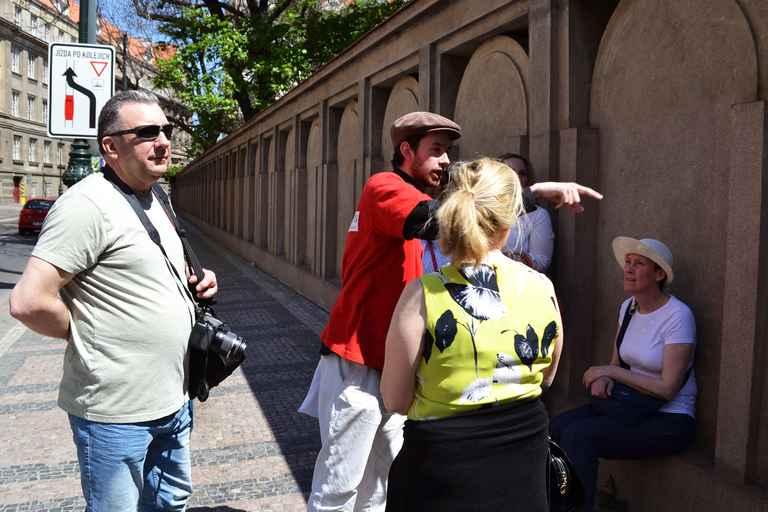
(228, 60)
(171, 173)
(609, 500)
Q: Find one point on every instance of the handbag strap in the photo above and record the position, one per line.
(627, 317)
(432, 252)
(128, 193)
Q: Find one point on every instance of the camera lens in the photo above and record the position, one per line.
(229, 345)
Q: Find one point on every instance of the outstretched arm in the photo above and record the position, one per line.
(564, 194)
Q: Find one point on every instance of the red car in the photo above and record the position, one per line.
(33, 214)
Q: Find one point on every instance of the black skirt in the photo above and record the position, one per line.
(487, 460)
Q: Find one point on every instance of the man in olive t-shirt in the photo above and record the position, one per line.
(97, 280)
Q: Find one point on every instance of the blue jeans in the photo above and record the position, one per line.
(586, 436)
(147, 463)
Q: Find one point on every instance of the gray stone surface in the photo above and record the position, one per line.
(251, 450)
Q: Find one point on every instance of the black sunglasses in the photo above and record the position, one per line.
(147, 131)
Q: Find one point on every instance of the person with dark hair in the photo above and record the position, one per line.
(359, 437)
(653, 354)
(532, 240)
(383, 252)
(97, 280)
(469, 351)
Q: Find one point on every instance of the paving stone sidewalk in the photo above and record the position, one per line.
(251, 450)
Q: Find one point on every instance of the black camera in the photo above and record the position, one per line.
(212, 334)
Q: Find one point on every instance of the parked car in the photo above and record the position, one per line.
(33, 214)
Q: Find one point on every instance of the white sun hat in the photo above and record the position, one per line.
(648, 247)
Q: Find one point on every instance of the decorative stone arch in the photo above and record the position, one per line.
(314, 194)
(348, 149)
(664, 160)
(289, 185)
(492, 102)
(403, 99)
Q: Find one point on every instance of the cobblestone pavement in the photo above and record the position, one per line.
(251, 450)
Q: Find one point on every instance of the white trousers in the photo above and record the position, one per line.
(360, 439)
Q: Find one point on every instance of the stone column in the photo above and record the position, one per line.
(576, 239)
(744, 299)
(542, 124)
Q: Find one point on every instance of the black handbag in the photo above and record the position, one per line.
(563, 485)
(626, 404)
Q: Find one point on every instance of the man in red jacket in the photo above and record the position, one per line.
(383, 252)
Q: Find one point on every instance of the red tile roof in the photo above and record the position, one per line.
(113, 36)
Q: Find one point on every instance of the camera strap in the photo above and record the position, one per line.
(130, 195)
(204, 372)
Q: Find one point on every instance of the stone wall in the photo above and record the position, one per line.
(659, 105)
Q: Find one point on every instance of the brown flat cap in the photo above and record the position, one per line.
(417, 123)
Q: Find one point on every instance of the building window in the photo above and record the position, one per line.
(45, 111)
(31, 65)
(48, 189)
(45, 71)
(15, 104)
(16, 147)
(31, 108)
(61, 36)
(33, 150)
(60, 154)
(33, 189)
(15, 60)
(33, 25)
(47, 152)
(47, 32)
(17, 15)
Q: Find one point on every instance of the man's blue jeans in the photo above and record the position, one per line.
(586, 436)
(124, 464)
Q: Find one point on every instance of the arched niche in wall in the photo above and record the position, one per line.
(289, 225)
(289, 161)
(348, 149)
(492, 102)
(403, 99)
(314, 193)
(665, 78)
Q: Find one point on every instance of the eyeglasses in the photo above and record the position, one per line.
(147, 131)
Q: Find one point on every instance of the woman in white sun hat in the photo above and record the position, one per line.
(655, 357)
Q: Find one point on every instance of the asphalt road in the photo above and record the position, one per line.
(14, 253)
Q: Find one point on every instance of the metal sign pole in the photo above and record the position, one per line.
(80, 156)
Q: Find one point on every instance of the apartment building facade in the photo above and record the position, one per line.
(31, 162)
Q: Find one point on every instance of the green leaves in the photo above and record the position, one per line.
(226, 68)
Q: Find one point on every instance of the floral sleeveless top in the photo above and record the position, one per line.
(490, 333)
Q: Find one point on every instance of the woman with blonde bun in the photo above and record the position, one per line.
(469, 351)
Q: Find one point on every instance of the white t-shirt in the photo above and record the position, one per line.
(130, 318)
(532, 235)
(643, 347)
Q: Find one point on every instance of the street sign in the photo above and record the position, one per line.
(82, 80)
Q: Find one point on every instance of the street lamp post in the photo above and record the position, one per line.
(80, 156)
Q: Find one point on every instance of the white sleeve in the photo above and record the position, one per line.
(541, 241)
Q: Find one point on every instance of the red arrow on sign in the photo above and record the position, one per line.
(98, 67)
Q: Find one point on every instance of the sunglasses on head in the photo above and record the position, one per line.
(147, 131)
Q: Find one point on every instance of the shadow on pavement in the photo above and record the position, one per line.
(215, 509)
(282, 330)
